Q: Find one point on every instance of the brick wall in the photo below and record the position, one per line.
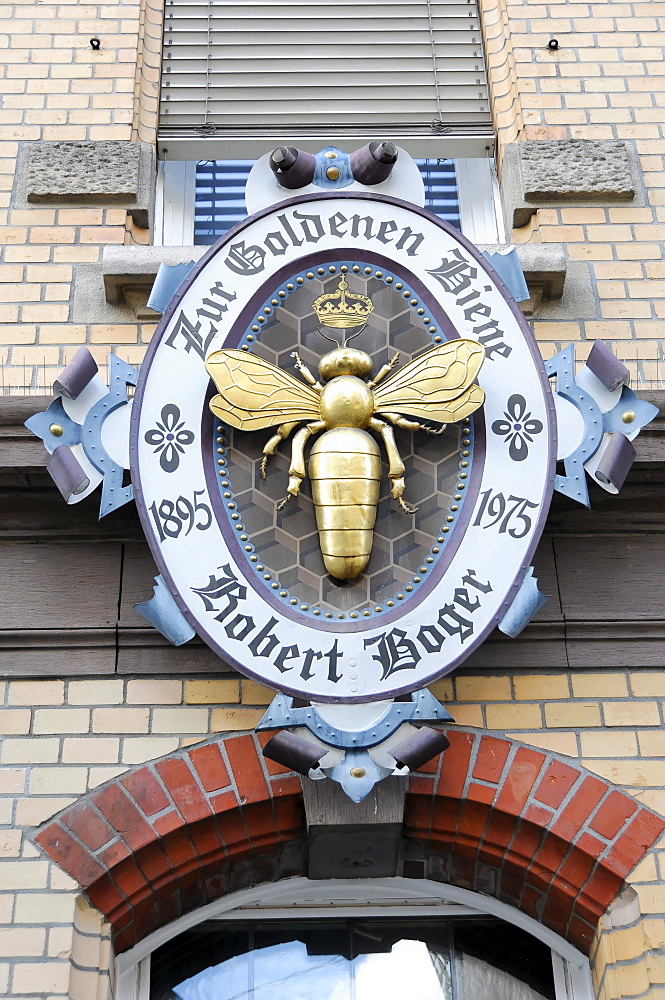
(66, 738)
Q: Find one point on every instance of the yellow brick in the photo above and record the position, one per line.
(24, 875)
(36, 693)
(61, 720)
(617, 310)
(100, 775)
(536, 686)
(11, 273)
(12, 779)
(582, 215)
(33, 217)
(106, 691)
(587, 252)
(648, 684)
(90, 750)
(645, 871)
(556, 331)
(25, 254)
(33, 811)
(654, 328)
(631, 713)
(180, 720)
(76, 255)
(37, 751)
(615, 269)
(590, 685)
(43, 977)
(509, 716)
(15, 721)
(234, 719)
(125, 334)
(137, 751)
(120, 720)
(10, 843)
(52, 234)
(154, 692)
(608, 330)
(655, 269)
(562, 234)
(482, 688)
(80, 217)
(466, 715)
(563, 715)
(60, 942)
(611, 289)
(49, 272)
(633, 773)
(443, 689)
(43, 313)
(25, 942)
(61, 334)
(213, 692)
(56, 293)
(647, 289)
(639, 251)
(606, 743)
(256, 694)
(58, 780)
(652, 742)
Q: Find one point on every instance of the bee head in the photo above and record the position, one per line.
(345, 361)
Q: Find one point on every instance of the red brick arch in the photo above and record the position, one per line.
(494, 816)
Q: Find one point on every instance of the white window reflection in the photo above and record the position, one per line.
(287, 970)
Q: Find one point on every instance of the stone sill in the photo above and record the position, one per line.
(129, 272)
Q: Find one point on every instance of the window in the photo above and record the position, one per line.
(342, 940)
(240, 78)
(199, 202)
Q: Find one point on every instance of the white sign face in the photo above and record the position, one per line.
(250, 578)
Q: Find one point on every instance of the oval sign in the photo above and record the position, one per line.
(245, 567)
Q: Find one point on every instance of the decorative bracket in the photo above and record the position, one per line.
(86, 451)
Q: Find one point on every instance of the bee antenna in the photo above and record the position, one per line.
(354, 335)
(331, 339)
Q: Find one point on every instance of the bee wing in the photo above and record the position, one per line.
(437, 385)
(255, 394)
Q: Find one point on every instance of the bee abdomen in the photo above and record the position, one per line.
(345, 472)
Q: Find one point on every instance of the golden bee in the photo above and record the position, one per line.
(345, 462)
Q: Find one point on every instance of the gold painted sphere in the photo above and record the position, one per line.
(628, 417)
(345, 361)
(346, 402)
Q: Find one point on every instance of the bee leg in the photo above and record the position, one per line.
(381, 374)
(306, 373)
(395, 463)
(271, 447)
(297, 468)
(412, 425)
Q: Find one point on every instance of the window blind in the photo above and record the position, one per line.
(297, 68)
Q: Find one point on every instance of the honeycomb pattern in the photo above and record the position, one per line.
(283, 546)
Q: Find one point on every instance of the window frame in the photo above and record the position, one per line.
(302, 898)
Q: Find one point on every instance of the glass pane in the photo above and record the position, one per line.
(441, 195)
(353, 960)
(496, 961)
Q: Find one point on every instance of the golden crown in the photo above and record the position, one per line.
(343, 309)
